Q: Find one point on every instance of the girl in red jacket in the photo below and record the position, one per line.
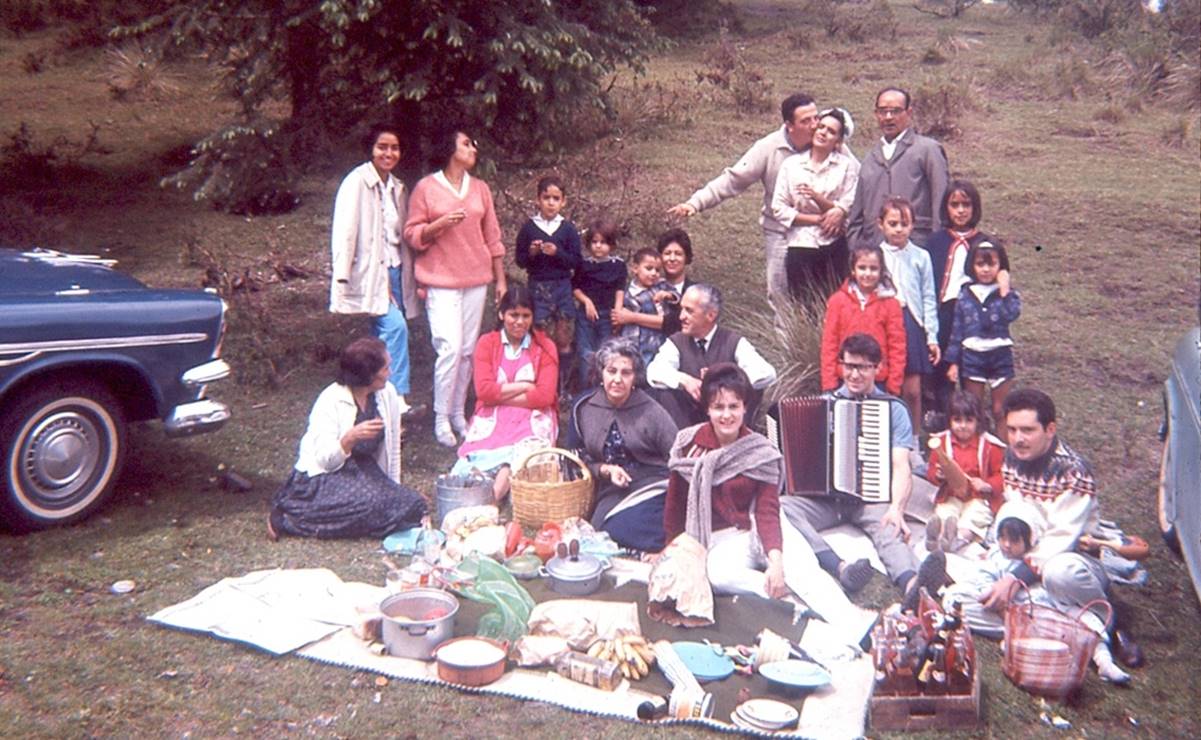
(866, 303)
(516, 382)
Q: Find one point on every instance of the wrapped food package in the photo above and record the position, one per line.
(679, 588)
(582, 621)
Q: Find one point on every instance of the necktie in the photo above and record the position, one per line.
(700, 344)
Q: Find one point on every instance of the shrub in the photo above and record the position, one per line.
(1179, 133)
(940, 107)
(134, 72)
(729, 70)
(218, 166)
(1111, 113)
(23, 161)
(793, 347)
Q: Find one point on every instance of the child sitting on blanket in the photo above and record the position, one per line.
(968, 498)
(1016, 532)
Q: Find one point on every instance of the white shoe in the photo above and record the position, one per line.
(458, 422)
(444, 433)
(1107, 669)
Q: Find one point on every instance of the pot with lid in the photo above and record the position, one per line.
(573, 573)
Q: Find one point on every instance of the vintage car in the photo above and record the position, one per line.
(1180, 472)
(84, 350)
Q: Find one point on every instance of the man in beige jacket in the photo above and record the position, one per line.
(761, 163)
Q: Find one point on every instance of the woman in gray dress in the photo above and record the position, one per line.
(346, 482)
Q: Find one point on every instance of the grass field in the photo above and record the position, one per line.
(1100, 210)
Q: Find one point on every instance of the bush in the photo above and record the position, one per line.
(1179, 133)
(747, 86)
(25, 162)
(217, 171)
(940, 107)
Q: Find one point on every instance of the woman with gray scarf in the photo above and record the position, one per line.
(724, 491)
(625, 437)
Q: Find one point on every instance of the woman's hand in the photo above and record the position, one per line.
(935, 353)
(361, 432)
(953, 373)
(616, 474)
(441, 224)
(805, 190)
(980, 486)
(776, 587)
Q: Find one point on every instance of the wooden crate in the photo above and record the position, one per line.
(921, 712)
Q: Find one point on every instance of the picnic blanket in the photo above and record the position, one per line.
(270, 609)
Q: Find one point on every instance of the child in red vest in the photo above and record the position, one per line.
(866, 303)
(968, 498)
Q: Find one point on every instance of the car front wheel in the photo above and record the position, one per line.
(64, 446)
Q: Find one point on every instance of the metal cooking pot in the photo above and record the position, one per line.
(572, 573)
(415, 622)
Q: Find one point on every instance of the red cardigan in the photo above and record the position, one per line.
(880, 318)
(979, 458)
(488, 353)
(731, 501)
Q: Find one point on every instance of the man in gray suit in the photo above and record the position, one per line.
(904, 163)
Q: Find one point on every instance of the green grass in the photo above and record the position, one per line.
(1116, 281)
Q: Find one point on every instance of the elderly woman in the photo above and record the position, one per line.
(625, 438)
(724, 490)
(346, 482)
(675, 255)
(453, 228)
(516, 379)
(810, 185)
(372, 267)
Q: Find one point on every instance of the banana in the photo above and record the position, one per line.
(646, 653)
(625, 670)
(594, 650)
(619, 648)
(639, 663)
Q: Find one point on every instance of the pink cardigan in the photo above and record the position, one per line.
(461, 256)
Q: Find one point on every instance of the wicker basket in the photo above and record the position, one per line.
(541, 495)
(1047, 651)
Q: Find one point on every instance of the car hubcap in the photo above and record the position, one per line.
(59, 457)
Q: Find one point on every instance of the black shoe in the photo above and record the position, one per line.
(856, 575)
(931, 574)
(1127, 650)
(416, 412)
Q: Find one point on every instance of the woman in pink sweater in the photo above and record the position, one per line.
(452, 227)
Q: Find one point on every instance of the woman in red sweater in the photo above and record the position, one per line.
(866, 303)
(516, 381)
(452, 226)
(724, 490)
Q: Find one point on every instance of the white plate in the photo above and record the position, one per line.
(795, 673)
(768, 712)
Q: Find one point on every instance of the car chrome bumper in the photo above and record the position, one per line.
(209, 372)
(197, 417)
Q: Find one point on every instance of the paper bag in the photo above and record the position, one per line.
(678, 588)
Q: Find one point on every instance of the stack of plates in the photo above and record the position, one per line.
(791, 677)
(764, 715)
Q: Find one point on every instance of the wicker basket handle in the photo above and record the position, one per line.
(520, 464)
(1097, 602)
(1079, 613)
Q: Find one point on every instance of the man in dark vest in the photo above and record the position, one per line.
(677, 369)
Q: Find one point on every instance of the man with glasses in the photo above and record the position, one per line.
(903, 163)
(859, 359)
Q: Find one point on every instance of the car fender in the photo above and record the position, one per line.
(114, 369)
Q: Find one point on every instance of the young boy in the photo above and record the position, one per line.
(1018, 530)
(969, 496)
(548, 247)
(598, 286)
(643, 317)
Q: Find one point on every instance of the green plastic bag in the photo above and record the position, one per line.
(493, 585)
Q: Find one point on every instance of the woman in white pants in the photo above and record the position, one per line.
(452, 226)
(724, 491)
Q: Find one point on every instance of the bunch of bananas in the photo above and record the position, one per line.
(632, 654)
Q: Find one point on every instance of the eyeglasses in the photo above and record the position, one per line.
(889, 112)
(861, 367)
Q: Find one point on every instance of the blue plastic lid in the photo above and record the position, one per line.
(704, 661)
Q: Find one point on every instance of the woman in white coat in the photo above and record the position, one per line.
(372, 266)
(346, 482)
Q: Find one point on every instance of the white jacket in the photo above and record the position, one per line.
(332, 416)
(359, 261)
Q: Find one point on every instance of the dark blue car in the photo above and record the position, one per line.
(84, 350)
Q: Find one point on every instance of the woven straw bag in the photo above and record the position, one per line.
(1046, 650)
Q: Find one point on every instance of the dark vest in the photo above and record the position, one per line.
(721, 349)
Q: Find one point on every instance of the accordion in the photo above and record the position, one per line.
(834, 445)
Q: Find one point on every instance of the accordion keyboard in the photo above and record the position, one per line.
(874, 452)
